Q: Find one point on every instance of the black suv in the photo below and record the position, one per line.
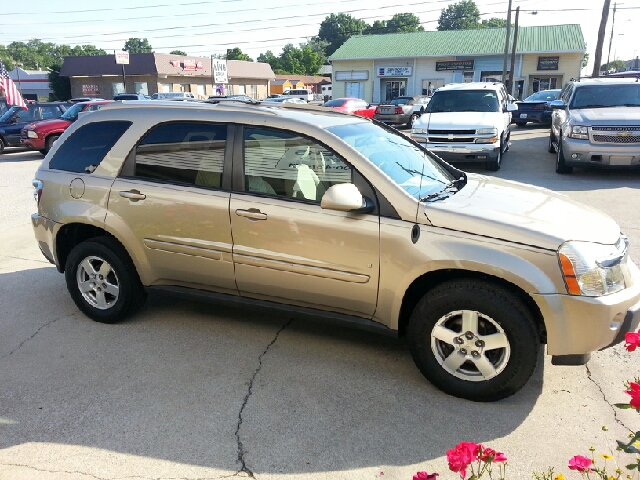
(15, 118)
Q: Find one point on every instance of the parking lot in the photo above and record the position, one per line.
(198, 391)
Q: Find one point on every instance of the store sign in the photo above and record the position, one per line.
(548, 63)
(189, 65)
(219, 68)
(122, 58)
(394, 71)
(454, 65)
(90, 90)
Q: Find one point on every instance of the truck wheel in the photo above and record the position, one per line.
(413, 119)
(474, 340)
(520, 124)
(103, 281)
(49, 142)
(494, 165)
(561, 166)
(552, 141)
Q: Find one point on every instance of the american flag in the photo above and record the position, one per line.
(10, 90)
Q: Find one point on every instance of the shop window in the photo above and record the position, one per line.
(117, 88)
(544, 83)
(141, 88)
(241, 90)
(430, 85)
(395, 88)
(166, 88)
(185, 87)
(254, 91)
(467, 77)
(354, 89)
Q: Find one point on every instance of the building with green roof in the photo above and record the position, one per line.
(378, 68)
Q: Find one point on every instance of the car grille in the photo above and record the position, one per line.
(451, 140)
(616, 134)
(447, 132)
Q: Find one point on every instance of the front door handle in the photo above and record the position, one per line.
(252, 214)
(133, 195)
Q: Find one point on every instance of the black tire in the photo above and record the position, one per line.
(49, 142)
(552, 141)
(561, 166)
(414, 117)
(497, 312)
(2, 145)
(105, 256)
(494, 165)
(520, 124)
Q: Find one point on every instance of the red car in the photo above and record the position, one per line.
(42, 135)
(357, 106)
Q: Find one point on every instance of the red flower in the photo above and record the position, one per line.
(489, 455)
(462, 456)
(580, 463)
(632, 341)
(425, 476)
(635, 395)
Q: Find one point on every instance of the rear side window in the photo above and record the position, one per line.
(85, 148)
(183, 152)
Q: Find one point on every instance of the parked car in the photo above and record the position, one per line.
(284, 100)
(130, 96)
(402, 110)
(535, 108)
(355, 106)
(84, 99)
(596, 123)
(42, 135)
(335, 217)
(171, 95)
(467, 122)
(305, 94)
(16, 117)
(242, 98)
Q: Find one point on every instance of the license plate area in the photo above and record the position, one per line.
(620, 160)
(523, 115)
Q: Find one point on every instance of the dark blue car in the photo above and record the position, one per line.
(535, 108)
(15, 118)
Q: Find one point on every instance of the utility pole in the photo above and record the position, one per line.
(506, 45)
(513, 52)
(613, 21)
(601, 31)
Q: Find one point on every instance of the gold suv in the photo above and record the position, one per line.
(335, 216)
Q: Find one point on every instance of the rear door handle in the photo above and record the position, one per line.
(133, 195)
(252, 214)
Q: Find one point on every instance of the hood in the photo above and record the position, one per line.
(52, 123)
(520, 213)
(459, 120)
(607, 116)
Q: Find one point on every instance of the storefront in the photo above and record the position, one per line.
(378, 68)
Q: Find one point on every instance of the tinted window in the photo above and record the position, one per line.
(400, 101)
(289, 165)
(335, 103)
(184, 152)
(464, 101)
(543, 96)
(83, 151)
(600, 96)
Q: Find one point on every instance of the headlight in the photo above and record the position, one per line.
(580, 132)
(493, 131)
(32, 134)
(419, 130)
(593, 269)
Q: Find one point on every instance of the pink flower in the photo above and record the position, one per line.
(635, 395)
(425, 476)
(489, 455)
(632, 341)
(462, 456)
(581, 464)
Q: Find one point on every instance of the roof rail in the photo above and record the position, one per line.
(238, 100)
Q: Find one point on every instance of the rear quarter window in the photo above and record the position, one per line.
(85, 148)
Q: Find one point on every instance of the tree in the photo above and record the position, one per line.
(463, 15)
(494, 22)
(236, 54)
(601, 31)
(379, 27)
(36, 54)
(178, 52)
(336, 29)
(137, 45)
(318, 46)
(61, 86)
(271, 59)
(615, 65)
(585, 60)
(404, 22)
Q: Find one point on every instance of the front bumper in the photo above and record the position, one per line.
(33, 143)
(583, 153)
(461, 152)
(45, 231)
(578, 325)
(533, 116)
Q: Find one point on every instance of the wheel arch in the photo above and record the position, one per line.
(422, 284)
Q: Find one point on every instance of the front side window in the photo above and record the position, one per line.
(85, 148)
(183, 152)
(289, 165)
(72, 113)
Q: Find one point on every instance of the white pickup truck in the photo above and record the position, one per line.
(467, 122)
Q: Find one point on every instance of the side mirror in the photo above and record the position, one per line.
(345, 197)
(511, 107)
(557, 105)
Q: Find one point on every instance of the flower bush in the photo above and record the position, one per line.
(473, 460)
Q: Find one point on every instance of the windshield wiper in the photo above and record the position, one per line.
(450, 189)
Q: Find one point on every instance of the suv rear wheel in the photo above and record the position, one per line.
(474, 340)
(103, 281)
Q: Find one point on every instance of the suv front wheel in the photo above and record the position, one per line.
(474, 340)
(103, 281)
(561, 166)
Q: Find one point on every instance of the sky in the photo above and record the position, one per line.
(202, 28)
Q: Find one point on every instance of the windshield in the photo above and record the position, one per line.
(544, 96)
(602, 96)
(72, 113)
(405, 163)
(399, 101)
(8, 114)
(464, 101)
(335, 103)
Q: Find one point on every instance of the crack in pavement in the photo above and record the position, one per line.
(26, 259)
(613, 408)
(241, 452)
(36, 333)
(52, 471)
